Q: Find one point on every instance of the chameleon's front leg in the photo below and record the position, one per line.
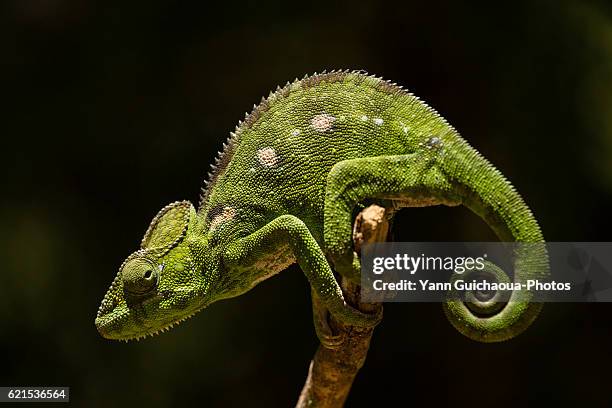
(290, 229)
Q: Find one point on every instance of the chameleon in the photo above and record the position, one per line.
(285, 189)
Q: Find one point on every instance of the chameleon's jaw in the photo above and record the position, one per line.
(134, 322)
(114, 327)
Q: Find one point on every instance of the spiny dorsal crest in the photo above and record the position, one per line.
(309, 81)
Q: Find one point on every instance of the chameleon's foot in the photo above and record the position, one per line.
(333, 342)
(351, 316)
(328, 339)
(322, 327)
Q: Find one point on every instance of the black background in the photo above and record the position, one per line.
(113, 111)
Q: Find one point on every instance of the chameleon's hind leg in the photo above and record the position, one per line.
(309, 255)
(413, 179)
(417, 180)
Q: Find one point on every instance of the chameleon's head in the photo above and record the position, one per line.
(158, 285)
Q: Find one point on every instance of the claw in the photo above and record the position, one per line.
(332, 341)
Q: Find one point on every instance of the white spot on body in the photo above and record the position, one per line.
(228, 214)
(322, 122)
(378, 121)
(434, 143)
(364, 118)
(267, 157)
(295, 132)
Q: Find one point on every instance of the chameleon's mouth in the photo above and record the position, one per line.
(106, 322)
(136, 320)
(114, 326)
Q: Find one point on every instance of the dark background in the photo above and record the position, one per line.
(111, 112)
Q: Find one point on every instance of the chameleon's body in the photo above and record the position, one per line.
(284, 190)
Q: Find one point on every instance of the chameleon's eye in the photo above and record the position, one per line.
(139, 276)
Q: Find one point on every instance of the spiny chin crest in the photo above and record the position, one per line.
(159, 331)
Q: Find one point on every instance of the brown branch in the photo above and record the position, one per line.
(332, 372)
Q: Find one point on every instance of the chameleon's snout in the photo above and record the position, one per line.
(139, 276)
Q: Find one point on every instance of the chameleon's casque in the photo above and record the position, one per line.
(284, 190)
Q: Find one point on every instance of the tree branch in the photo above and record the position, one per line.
(331, 372)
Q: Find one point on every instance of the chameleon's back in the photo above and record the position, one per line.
(283, 151)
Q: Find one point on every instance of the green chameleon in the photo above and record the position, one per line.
(285, 189)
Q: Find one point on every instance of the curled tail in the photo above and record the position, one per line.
(485, 191)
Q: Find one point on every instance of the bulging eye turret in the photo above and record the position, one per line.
(139, 276)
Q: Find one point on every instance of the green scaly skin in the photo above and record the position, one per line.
(284, 190)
